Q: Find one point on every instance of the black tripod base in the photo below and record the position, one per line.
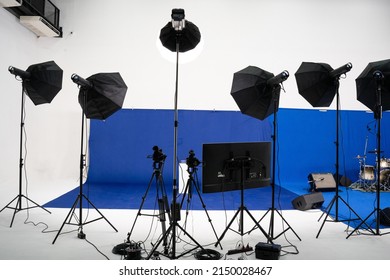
(171, 254)
(329, 208)
(271, 231)
(80, 224)
(241, 210)
(19, 207)
(375, 212)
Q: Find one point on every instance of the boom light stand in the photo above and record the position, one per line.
(100, 96)
(178, 35)
(318, 83)
(41, 82)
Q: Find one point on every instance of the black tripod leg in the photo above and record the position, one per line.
(255, 226)
(140, 207)
(258, 225)
(184, 195)
(164, 237)
(289, 227)
(198, 245)
(228, 226)
(327, 215)
(363, 222)
(67, 216)
(358, 217)
(18, 204)
(7, 206)
(328, 208)
(207, 214)
(36, 204)
(86, 198)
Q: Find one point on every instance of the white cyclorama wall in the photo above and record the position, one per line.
(122, 36)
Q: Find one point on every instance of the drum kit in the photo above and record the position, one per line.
(368, 174)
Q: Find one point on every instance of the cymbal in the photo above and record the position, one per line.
(374, 152)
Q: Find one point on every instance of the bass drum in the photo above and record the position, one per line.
(384, 177)
(367, 173)
(384, 163)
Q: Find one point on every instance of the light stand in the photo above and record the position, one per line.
(242, 163)
(175, 33)
(273, 209)
(256, 93)
(337, 197)
(378, 76)
(79, 199)
(41, 82)
(318, 83)
(100, 96)
(20, 195)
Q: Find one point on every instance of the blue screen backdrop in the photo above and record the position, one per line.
(119, 167)
(120, 145)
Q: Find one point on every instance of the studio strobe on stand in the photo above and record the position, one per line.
(100, 96)
(178, 35)
(41, 82)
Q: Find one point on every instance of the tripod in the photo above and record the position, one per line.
(378, 116)
(337, 197)
(20, 196)
(81, 195)
(192, 183)
(243, 162)
(272, 210)
(161, 197)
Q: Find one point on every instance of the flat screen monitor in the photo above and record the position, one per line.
(223, 164)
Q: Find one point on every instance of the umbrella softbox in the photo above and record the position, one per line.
(252, 94)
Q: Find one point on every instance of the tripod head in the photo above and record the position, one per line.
(192, 162)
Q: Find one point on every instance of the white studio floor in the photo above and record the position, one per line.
(28, 245)
(26, 241)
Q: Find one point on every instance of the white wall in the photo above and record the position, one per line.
(122, 35)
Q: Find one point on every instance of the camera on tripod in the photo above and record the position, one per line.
(192, 161)
(158, 157)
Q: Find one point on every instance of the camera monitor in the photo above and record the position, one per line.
(223, 164)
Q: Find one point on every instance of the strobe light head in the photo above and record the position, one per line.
(280, 78)
(178, 19)
(342, 70)
(378, 75)
(24, 75)
(83, 83)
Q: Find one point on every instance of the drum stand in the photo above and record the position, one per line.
(366, 179)
(191, 184)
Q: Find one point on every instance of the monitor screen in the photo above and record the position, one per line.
(223, 164)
